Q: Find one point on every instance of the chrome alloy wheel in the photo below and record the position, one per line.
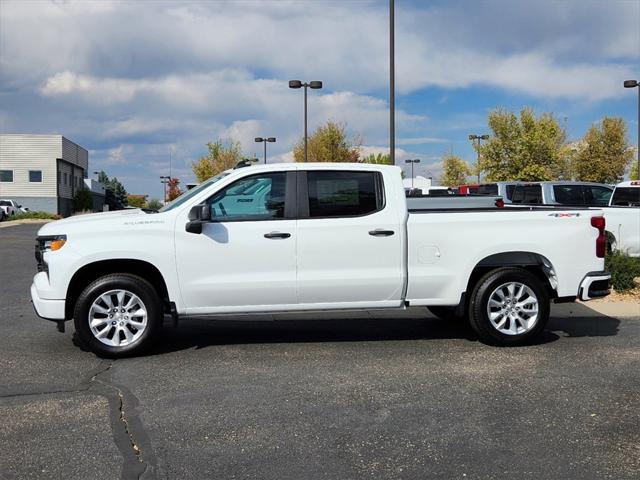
(513, 308)
(117, 318)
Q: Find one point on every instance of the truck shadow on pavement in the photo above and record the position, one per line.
(201, 333)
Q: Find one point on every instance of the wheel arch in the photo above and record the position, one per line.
(533, 262)
(94, 270)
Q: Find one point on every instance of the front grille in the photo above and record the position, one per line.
(39, 251)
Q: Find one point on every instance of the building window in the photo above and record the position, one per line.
(6, 176)
(65, 178)
(35, 176)
(59, 177)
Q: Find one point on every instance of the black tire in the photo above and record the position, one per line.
(134, 284)
(446, 313)
(479, 301)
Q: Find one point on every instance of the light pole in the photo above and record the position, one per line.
(479, 138)
(316, 84)
(265, 140)
(636, 84)
(164, 179)
(412, 162)
(392, 84)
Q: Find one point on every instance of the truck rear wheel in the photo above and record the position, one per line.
(118, 315)
(509, 306)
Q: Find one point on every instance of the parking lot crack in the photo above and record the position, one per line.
(128, 431)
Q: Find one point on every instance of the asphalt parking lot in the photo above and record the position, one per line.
(395, 396)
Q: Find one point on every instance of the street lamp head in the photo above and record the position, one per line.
(631, 83)
(295, 84)
(271, 139)
(315, 84)
(484, 137)
(259, 139)
(415, 160)
(472, 137)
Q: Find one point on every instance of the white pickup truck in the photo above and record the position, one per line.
(623, 218)
(312, 237)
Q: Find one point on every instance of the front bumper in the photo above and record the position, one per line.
(594, 285)
(47, 309)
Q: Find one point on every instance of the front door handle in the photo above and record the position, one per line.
(277, 235)
(378, 232)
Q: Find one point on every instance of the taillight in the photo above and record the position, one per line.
(500, 203)
(601, 241)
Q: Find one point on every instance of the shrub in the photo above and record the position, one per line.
(623, 269)
(83, 200)
(35, 215)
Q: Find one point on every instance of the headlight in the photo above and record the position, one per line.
(53, 242)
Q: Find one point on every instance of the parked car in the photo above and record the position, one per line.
(312, 237)
(9, 207)
(626, 194)
(623, 218)
(548, 193)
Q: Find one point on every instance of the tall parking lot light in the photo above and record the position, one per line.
(412, 162)
(315, 84)
(265, 140)
(479, 138)
(636, 84)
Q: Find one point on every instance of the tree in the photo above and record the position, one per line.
(633, 175)
(137, 201)
(174, 189)
(115, 194)
(154, 204)
(454, 171)
(220, 156)
(83, 200)
(525, 147)
(329, 143)
(604, 152)
(377, 158)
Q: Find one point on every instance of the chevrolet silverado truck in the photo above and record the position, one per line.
(312, 237)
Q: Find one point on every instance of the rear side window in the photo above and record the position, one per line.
(528, 194)
(568, 194)
(626, 197)
(344, 194)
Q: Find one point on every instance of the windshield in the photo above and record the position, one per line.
(194, 191)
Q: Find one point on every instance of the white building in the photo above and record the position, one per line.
(42, 172)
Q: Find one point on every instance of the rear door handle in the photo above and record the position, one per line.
(378, 232)
(277, 235)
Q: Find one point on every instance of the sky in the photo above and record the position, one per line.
(140, 83)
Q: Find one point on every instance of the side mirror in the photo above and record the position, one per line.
(198, 215)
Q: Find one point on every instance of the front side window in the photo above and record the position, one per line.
(6, 176)
(344, 194)
(597, 196)
(35, 176)
(258, 197)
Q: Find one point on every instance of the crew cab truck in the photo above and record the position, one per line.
(312, 237)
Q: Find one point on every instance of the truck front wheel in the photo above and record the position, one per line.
(118, 315)
(509, 306)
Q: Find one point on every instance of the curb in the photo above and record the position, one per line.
(26, 221)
